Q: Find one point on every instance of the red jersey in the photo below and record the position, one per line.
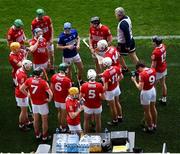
(14, 59)
(72, 105)
(148, 76)
(45, 24)
(92, 91)
(97, 34)
(111, 76)
(40, 55)
(37, 88)
(61, 85)
(114, 55)
(21, 77)
(159, 55)
(16, 35)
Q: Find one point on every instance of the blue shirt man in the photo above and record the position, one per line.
(68, 39)
(69, 42)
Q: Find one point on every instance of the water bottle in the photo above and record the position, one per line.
(106, 134)
(40, 38)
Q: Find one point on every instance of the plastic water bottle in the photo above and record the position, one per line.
(106, 134)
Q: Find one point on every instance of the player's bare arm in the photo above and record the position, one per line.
(153, 64)
(139, 85)
(32, 48)
(23, 89)
(78, 43)
(70, 47)
(50, 95)
(75, 114)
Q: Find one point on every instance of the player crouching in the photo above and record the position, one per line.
(21, 99)
(73, 109)
(40, 95)
(92, 92)
(60, 85)
(111, 77)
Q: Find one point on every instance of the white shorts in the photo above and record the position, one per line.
(41, 109)
(75, 59)
(92, 110)
(148, 96)
(99, 58)
(109, 95)
(60, 105)
(75, 128)
(45, 65)
(161, 75)
(22, 102)
(50, 48)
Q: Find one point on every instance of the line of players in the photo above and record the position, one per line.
(101, 36)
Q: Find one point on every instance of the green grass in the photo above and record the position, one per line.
(149, 18)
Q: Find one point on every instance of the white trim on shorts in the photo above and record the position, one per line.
(148, 96)
(22, 102)
(60, 105)
(88, 110)
(75, 128)
(109, 95)
(161, 75)
(41, 109)
(45, 65)
(75, 59)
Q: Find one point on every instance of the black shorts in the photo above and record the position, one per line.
(122, 48)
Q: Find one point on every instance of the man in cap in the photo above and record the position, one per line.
(40, 93)
(69, 42)
(98, 32)
(16, 56)
(38, 48)
(60, 85)
(44, 22)
(16, 33)
(126, 43)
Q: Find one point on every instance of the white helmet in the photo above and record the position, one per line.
(91, 74)
(102, 45)
(27, 64)
(107, 61)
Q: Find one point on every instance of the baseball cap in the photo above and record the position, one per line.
(67, 25)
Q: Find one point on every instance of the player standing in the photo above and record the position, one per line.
(16, 33)
(147, 78)
(21, 99)
(159, 63)
(60, 85)
(44, 22)
(16, 56)
(38, 48)
(98, 32)
(126, 43)
(92, 92)
(69, 42)
(73, 109)
(40, 93)
(111, 77)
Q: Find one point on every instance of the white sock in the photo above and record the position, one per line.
(164, 99)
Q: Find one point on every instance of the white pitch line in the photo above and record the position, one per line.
(168, 37)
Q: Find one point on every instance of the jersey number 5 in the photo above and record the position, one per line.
(92, 94)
